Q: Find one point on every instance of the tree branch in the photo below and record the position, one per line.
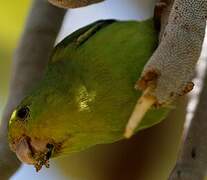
(192, 162)
(73, 3)
(29, 63)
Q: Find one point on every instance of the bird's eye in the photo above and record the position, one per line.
(23, 112)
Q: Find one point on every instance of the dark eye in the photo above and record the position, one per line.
(23, 112)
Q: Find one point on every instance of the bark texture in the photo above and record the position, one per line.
(192, 161)
(29, 63)
(73, 3)
(188, 17)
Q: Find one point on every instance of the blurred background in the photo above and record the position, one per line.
(149, 155)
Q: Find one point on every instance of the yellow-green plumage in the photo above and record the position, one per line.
(87, 94)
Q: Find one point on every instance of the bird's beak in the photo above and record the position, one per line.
(33, 151)
(24, 151)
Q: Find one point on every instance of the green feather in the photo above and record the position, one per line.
(87, 94)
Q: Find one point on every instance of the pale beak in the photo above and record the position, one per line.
(33, 151)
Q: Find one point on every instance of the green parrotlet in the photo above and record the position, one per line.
(87, 93)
